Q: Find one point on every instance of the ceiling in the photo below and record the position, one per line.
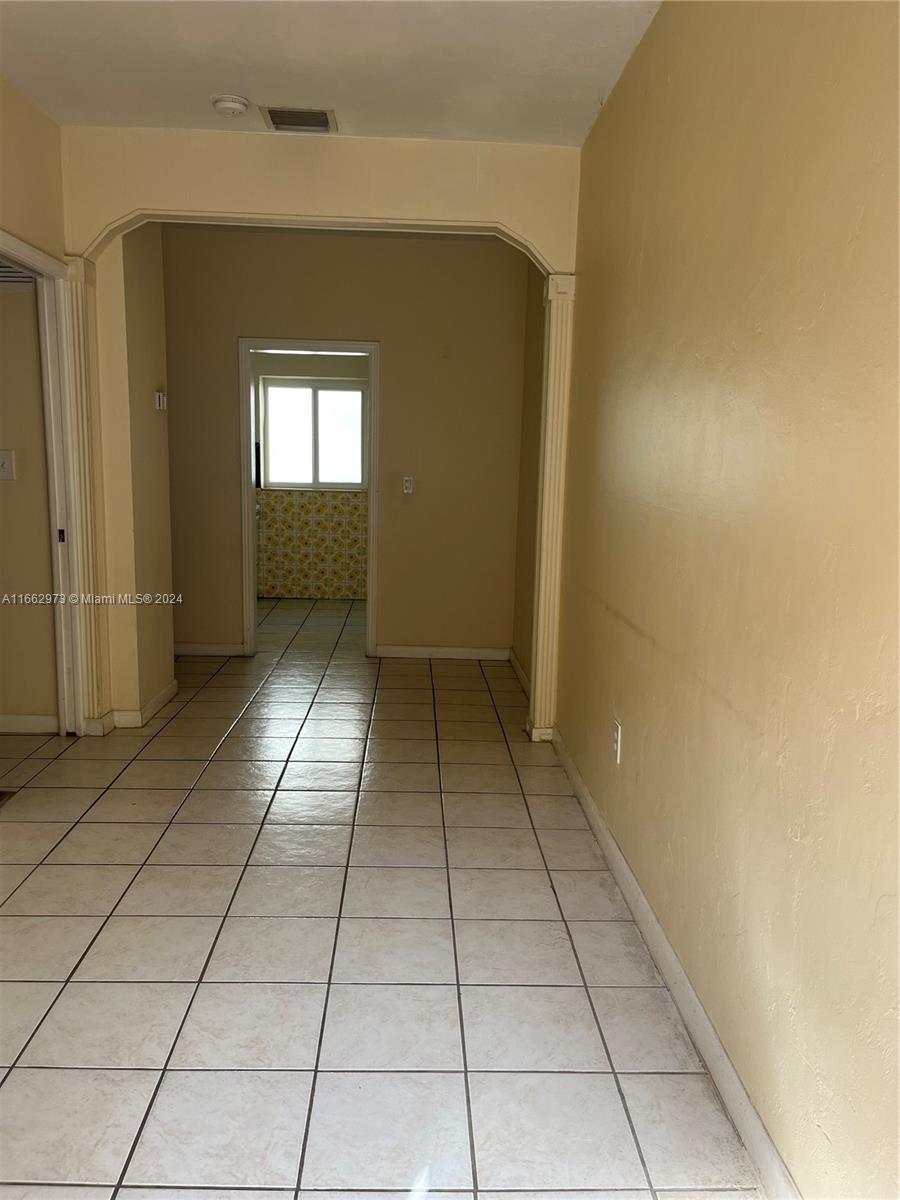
(481, 70)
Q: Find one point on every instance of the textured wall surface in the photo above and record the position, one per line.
(731, 543)
(311, 543)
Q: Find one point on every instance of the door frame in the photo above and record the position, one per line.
(49, 274)
(248, 492)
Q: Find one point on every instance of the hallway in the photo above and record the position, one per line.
(169, 939)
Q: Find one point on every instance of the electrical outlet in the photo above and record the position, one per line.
(617, 742)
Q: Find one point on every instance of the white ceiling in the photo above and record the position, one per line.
(484, 70)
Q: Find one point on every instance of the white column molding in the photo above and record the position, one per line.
(77, 306)
(559, 301)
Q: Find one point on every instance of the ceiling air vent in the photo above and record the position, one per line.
(301, 120)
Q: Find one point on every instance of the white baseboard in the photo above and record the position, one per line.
(493, 653)
(25, 723)
(520, 672)
(775, 1177)
(98, 726)
(540, 733)
(216, 648)
(134, 718)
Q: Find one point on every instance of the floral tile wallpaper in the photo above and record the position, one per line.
(311, 544)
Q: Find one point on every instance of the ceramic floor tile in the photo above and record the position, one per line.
(312, 808)
(321, 776)
(510, 895)
(400, 777)
(11, 875)
(545, 781)
(272, 950)
(462, 777)
(531, 1029)
(644, 1030)
(179, 892)
(589, 896)
(685, 1136)
(110, 1025)
(409, 1132)
(396, 892)
(69, 891)
(552, 1131)
(29, 842)
(557, 812)
(204, 845)
(613, 953)
(571, 850)
(336, 750)
(90, 773)
(488, 754)
(144, 805)
(302, 845)
(180, 748)
(255, 749)
(486, 809)
(39, 948)
(503, 848)
(22, 1006)
(149, 949)
(253, 776)
(384, 950)
(397, 846)
(470, 731)
(225, 805)
(400, 750)
(160, 775)
(535, 754)
(399, 808)
(389, 1027)
(283, 891)
(511, 952)
(71, 1126)
(224, 1129)
(252, 1026)
(108, 844)
(49, 804)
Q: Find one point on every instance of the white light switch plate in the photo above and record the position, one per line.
(7, 464)
(407, 485)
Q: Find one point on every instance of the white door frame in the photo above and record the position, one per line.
(248, 493)
(48, 271)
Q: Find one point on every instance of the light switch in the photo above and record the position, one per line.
(407, 485)
(7, 464)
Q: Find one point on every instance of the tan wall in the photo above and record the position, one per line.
(31, 193)
(27, 644)
(731, 542)
(449, 316)
(146, 328)
(130, 332)
(529, 191)
(529, 469)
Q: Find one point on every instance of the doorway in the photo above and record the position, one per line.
(308, 441)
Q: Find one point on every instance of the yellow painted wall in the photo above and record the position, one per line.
(27, 643)
(731, 543)
(529, 470)
(531, 191)
(449, 314)
(31, 192)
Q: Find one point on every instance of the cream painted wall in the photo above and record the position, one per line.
(132, 366)
(27, 641)
(449, 315)
(529, 470)
(31, 195)
(112, 174)
(731, 543)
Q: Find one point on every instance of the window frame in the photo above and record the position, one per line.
(315, 385)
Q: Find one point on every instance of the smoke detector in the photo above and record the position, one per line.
(230, 106)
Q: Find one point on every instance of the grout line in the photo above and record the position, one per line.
(587, 990)
(470, 1122)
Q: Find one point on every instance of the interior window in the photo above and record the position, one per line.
(312, 436)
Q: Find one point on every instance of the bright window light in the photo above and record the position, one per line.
(289, 435)
(312, 436)
(340, 436)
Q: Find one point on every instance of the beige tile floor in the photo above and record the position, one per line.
(334, 925)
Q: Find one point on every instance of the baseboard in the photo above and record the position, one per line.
(520, 672)
(493, 653)
(775, 1177)
(134, 718)
(540, 733)
(98, 726)
(25, 723)
(217, 648)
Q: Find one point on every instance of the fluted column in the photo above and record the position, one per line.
(559, 300)
(91, 676)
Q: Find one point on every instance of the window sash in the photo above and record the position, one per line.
(315, 386)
